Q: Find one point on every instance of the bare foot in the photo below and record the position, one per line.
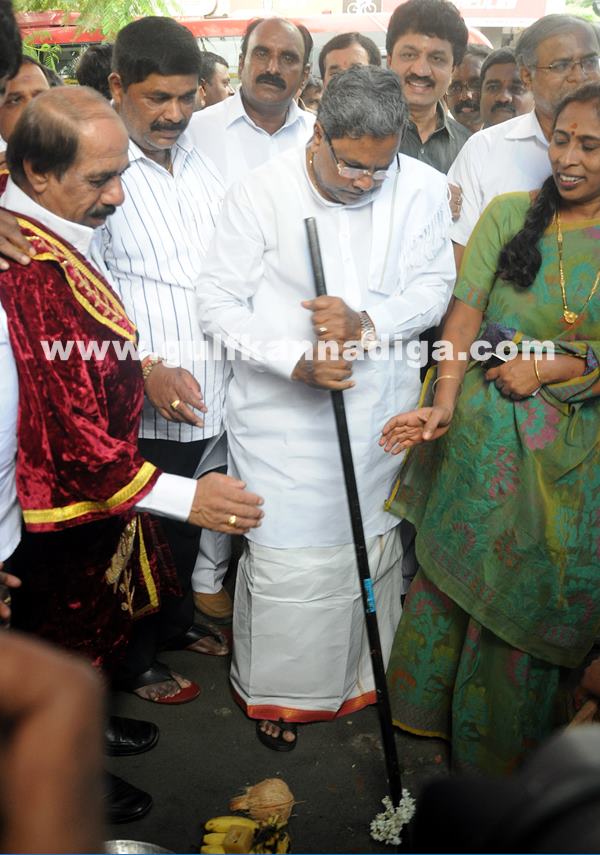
(272, 728)
(165, 689)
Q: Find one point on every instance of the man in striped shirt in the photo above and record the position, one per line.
(154, 250)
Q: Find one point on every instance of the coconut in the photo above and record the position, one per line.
(268, 798)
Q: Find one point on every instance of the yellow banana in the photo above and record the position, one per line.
(284, 843)
(212, 850)
(214, 839)
(224, 823)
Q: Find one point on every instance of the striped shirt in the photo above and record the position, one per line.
(154, 247)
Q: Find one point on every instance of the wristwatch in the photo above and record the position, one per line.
(368, 335)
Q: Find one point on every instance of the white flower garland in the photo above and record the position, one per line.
(387, 825)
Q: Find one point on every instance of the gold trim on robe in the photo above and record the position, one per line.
(78, 509)
(89, 291)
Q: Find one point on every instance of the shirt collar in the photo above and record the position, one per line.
(77, 235)
(184, 145)
(442, 123)
(235, 111)
(526, 126)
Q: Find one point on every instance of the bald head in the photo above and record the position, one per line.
(68, 151)
(49, 130)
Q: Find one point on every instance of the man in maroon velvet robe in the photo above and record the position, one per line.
(90, 562)
(80, 477)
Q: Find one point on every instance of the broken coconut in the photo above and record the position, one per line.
(271, 797)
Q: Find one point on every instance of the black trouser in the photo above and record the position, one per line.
(176, 614)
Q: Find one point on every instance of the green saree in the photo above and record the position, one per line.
(507, 503)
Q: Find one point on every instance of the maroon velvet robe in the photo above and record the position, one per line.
(90, 562)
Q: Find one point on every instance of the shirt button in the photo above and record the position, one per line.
(421, 151)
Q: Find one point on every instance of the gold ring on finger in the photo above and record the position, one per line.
(322, 330)
(174, 404)
(232, 520)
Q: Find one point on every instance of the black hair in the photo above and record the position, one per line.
(306, 36)
(520, 258)
(51, 76)
(94, 66)
(208, 63)
(438, 18)
(312, 83)
(480, 51)
(346, 40)
(502, 56)
(10, 42)
(47, 133)
(154, 45)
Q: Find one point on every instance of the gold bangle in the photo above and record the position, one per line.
(537, 373)
(149, 364)
(445, 377)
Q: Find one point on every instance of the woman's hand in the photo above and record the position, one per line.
(516, 379)
(414, 427)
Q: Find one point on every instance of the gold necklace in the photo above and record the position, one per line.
(569, 316)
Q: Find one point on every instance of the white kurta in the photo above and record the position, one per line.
(505, 158)
(392, 258)
(282, 433)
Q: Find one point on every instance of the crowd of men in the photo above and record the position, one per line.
(188, 200)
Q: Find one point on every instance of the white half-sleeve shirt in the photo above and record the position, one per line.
(506, 158)
(236, 145)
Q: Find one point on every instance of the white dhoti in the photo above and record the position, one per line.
(301, 651)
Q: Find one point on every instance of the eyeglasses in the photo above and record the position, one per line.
(588, 65)
(354, 171)
(457, 88)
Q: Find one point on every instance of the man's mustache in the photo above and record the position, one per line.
(168, 126)
(101, 212)
(467, 104)
(504, 105)
(415, 79)
(273, 79)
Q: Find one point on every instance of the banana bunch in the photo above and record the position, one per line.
(239, 834)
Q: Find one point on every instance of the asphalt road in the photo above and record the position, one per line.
(208, 752)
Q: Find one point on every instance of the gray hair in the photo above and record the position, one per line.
(363, 101)
(544, 28)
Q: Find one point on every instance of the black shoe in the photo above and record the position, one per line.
(126, 736)
(123, 802)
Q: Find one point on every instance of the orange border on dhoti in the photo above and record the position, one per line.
(273, 713)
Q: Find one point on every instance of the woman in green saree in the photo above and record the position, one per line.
(503, 478)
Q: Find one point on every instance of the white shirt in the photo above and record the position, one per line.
(227, 134)
(392, 258)
(154, 246)
(172, 496)
(505, 158)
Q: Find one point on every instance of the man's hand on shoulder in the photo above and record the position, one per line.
(13, 244)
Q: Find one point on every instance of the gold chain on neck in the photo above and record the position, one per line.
(569, 316)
